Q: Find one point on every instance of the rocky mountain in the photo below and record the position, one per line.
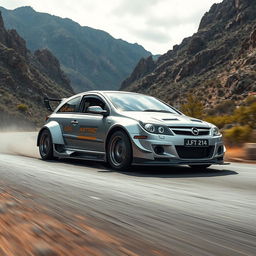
(217, 64)
(92, 58)
(25, 79)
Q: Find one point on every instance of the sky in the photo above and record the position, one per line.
(157, 25)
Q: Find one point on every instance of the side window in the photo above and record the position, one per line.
(92, 101)
(71, 106)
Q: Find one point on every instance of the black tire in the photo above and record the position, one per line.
(119, 151)
(200, 167)
(45, 145)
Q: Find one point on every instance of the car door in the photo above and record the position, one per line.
(65, 117)
(91, 127)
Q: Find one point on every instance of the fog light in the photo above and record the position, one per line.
(159, 150)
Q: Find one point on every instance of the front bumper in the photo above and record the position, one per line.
(173, 152)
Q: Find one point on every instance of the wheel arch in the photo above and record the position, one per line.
(39, 134)
(55, 130)
(115, 129)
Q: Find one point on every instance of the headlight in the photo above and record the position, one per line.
(150, 128)
(161, 129)
(156, 129)
(215, 131)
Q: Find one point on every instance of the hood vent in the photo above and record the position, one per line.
(170, 119)
(196, 120)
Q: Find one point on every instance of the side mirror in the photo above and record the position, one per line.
(97, 110)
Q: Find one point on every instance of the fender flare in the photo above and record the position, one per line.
(54, 128)
(136, 145)
(115, 128)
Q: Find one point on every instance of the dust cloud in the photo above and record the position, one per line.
(19, 143)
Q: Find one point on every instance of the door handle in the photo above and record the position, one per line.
(74, 122)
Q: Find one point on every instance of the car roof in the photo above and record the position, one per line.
(107, 91)
(97, 92)
(101, 92)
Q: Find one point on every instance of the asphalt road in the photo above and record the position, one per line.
(182, 211)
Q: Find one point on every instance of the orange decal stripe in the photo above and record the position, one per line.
(88, 130)
(86, 138)
(68, 128)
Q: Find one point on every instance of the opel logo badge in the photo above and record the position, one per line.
(195, 131)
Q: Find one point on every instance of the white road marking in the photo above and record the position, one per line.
(95, 197)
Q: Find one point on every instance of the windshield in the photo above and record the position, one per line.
(138, 102)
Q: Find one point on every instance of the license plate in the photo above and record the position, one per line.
(196, 143)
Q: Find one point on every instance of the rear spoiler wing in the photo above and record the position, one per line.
(47, 102)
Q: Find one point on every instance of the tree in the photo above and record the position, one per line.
(193, 107)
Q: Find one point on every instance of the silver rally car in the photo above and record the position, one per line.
(124, 129)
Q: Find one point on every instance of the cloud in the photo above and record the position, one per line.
(159, 24)
(154, 35)
(134, 7)
(155, 24)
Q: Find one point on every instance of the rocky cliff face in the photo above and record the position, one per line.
(218, 63)
(50, 65)
(144, 67)
(25, 79)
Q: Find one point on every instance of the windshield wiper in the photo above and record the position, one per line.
(157, 110)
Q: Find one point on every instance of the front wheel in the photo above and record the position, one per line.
(45, 145)
(119, 151)
(200, 167)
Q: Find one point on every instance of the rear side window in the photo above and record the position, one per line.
(70, 106)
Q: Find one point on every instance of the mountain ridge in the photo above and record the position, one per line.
(92, 58)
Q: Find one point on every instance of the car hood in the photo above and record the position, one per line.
(167, 119)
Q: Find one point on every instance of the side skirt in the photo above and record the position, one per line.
(61, 152)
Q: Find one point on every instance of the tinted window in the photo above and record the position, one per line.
(92, 101)
(71, 106)
(138, 102)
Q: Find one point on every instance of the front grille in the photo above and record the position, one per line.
(194, 152)
(179, 132)
(203, 131)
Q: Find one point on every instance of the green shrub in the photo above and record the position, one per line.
(193, 107)
(246, 115)
(22, 108)
(220, 121)
(250, 100)
(238, 135)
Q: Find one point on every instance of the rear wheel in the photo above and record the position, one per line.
(119, 151)
(200, 167)
(45, 145)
